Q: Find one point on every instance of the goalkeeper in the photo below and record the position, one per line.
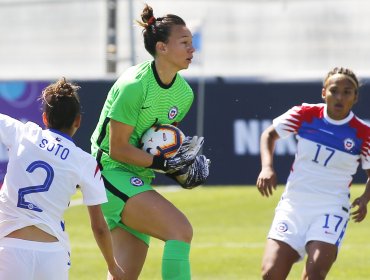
(149, 93)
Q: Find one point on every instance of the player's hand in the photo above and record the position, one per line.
(187, 152)
(193, 175)
(185, 156)
(360, 213)
(266, 181)
(116, 273)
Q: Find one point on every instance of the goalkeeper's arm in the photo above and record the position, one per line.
(193, 175)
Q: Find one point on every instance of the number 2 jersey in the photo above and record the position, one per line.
(43, 172)
(328, 153)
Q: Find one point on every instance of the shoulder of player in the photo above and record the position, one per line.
(30, 127)
(131, 82)
(306, 109)
(85, 159)
(182, 87)
(8, 120)
(361, 125)
(134, 76)
(181, 80)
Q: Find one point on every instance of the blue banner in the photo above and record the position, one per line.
(235, 114)
(18, 99)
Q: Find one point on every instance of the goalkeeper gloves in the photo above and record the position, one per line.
(193, 175)
(184, 157)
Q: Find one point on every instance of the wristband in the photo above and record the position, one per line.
(159, 162)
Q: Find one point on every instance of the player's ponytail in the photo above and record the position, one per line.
(61, 104)
(156, 29)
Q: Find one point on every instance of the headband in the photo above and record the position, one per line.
(337, 75)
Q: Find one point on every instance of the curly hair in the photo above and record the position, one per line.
(61, 104)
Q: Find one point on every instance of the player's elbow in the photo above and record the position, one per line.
(270, 133)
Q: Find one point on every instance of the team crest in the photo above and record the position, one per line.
(281, 227)
(173, 112)
(137, 182)
(349, 144)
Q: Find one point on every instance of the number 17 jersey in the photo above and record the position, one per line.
(328, 153)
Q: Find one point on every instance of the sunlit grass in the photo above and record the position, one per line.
(230, 225)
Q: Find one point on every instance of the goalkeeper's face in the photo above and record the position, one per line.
(178, 50)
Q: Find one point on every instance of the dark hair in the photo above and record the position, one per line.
(61, 104)
(157, 29)
(345, 71)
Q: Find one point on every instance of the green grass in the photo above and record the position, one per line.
(230, 225)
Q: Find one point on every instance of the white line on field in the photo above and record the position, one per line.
(249, 245)
(75, 202)
(229, 245)
(220, 245)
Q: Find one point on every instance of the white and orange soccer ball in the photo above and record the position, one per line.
(164, 139)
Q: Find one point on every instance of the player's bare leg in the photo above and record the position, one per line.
(278, 260)
(152, 214)
(321, 257)
(129, 251)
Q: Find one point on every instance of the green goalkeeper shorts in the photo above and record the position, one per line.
(120, 186)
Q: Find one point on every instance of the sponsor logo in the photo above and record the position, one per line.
(19, 94)
(349, 144)
(172, 113)
(281, 227)
(137, 182)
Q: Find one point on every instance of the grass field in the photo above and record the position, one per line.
(230, 225)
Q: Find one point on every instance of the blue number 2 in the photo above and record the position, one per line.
(22, 203)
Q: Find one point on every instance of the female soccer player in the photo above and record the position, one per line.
(44, 168)
(313, 212)
(149, 93)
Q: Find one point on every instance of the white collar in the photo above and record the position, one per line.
(337, 122)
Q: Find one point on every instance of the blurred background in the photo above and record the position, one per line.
(255, 59)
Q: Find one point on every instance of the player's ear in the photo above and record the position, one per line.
(161, 47)
(77, 122)
(45, 120)
(323, 93)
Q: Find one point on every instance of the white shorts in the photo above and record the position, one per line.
(30, 260)
(297, 224)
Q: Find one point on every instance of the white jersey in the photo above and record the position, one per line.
(44, 169)
(328, 153)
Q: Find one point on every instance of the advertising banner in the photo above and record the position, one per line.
(234, 114)
(18, 99)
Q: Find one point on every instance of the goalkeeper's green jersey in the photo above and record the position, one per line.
(139, 99)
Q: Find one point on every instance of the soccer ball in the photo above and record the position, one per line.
(163, 139)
